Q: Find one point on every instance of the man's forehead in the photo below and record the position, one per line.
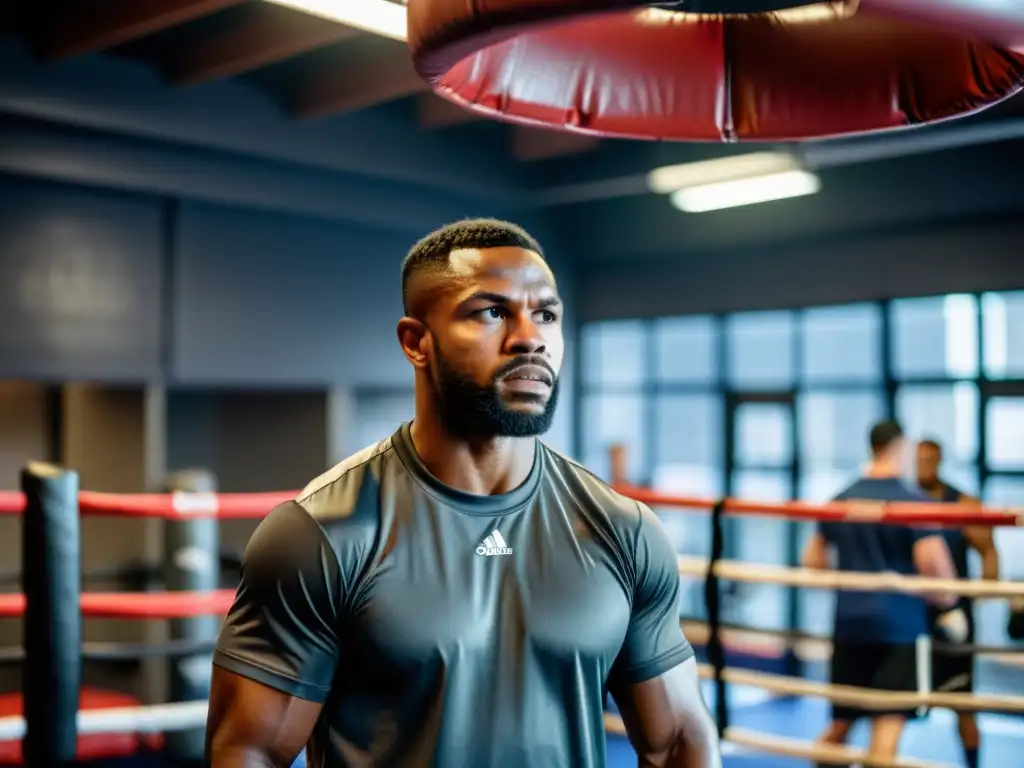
(506, 263)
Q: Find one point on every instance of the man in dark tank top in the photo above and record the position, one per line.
(954, 671)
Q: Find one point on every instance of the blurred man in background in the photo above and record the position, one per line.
(954, 671)
(875, 632)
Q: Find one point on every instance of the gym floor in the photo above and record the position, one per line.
(932, 738)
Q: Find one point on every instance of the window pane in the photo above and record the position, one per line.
(688, 443)
(760, 350)
(834, 427)
(963, 477)
(816, 606)
(608, 420)
(764, 434)
(613, 352)
(947, 413)
(1004, 426)
(1001, 491)
(760, 540)
(991, 615)
(935, 336)
(822, 484)
(1002, 319)
(842, 344)
(686, 350)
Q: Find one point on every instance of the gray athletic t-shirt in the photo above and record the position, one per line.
(441, 628)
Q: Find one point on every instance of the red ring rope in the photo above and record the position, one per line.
(137, 605)
(904, 513)
(254, 506)
(245, 506)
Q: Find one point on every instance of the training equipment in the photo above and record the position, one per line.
(720, 70)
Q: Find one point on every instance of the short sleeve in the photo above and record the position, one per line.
(654, 641)
(282, 628)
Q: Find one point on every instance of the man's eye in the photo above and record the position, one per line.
(548, 316)
(494, 313)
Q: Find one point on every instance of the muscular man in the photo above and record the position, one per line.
(875, 632)
(955, 671)
(460, 594)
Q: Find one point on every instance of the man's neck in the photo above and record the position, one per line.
(882, 470)
(485, 467)
(934, 488)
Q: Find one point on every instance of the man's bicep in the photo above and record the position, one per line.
(666, 719)
(281, 630)
(251, 724)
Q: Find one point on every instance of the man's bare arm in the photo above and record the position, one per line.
(251, 725)
(667, 721)
(816, 553)
(980, 538)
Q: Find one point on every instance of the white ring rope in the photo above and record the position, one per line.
(865, 698)
(784, 576)
(161, 718)
(774, 642)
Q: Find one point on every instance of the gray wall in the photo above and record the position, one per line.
(961, 256)
(80, 285)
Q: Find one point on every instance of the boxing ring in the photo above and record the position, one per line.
(53, 729)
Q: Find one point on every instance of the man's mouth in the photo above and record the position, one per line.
(529, 373)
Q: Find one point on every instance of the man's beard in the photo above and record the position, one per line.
(469, 410)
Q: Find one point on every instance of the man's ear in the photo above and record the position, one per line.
(414, 336)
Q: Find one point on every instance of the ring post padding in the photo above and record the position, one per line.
(51, 566)
(712, 600)
(191, 563)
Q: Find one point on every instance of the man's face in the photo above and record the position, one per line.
(928, 460)
(497, 344)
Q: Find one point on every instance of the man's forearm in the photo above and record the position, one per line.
(990, 565)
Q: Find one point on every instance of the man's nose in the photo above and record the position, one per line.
(526, 338)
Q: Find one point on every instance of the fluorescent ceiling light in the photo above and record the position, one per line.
(662, 181)
(830, 10)
(737, 192)
(379, 17)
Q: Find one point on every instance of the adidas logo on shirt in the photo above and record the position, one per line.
(493, 545)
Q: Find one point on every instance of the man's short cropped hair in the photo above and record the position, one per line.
(930, 442)
(884, 434)
(432, 252)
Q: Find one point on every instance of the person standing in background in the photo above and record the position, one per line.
(875, 632)
(954, 672)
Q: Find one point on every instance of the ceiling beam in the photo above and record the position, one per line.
(266, 34)
(436, 113)
(101, 24)
(108, 94)
(529, 144)
(353, 86)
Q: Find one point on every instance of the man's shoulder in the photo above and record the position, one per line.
(591, 494)
(880, 489)
(338, 492)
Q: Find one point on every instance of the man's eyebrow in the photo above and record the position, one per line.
(498, 298)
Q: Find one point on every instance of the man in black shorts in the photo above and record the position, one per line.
(875, 632)
(460, 594)
(951, 670)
